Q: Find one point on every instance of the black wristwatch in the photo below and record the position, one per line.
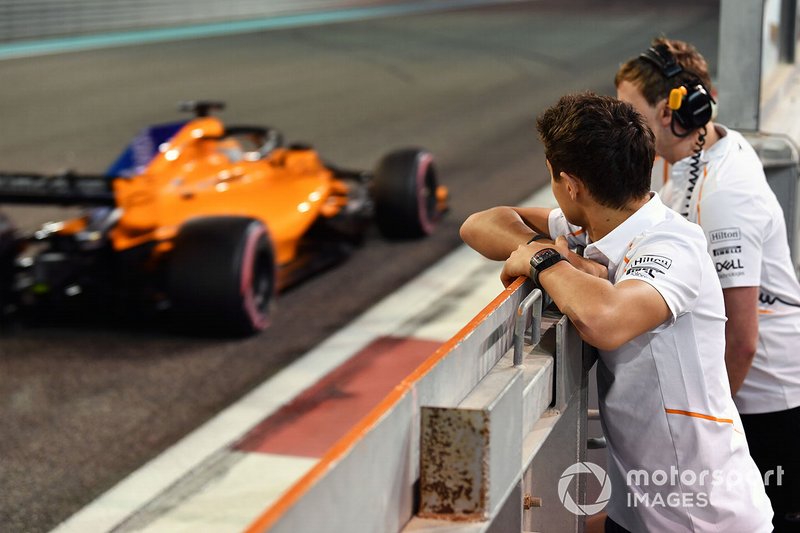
(542, 260)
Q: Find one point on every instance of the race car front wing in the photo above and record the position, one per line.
(59, 189)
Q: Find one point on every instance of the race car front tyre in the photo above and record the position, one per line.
(404, 191)
(221, 276)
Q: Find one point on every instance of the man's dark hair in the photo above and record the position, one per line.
(601, 141)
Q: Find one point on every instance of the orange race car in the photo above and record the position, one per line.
(206, 222)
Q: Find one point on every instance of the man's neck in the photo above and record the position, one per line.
(603, 220)
(687, 146)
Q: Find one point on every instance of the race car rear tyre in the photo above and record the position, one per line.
(404, 190)
(221, 276)
(8, 251)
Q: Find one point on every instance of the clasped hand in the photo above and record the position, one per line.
(519, 262)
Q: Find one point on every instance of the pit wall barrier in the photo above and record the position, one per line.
(470, 441)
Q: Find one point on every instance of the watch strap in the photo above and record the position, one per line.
(538, 237)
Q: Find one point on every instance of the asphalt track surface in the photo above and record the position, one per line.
(84, 404)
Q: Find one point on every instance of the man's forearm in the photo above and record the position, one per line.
(495, 233)
(741, 333)
(738, 365)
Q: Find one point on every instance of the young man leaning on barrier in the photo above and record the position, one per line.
(717, 181)
(647, 296)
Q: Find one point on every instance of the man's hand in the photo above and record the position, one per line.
(741, 333)
(581, 263)
(519, 262)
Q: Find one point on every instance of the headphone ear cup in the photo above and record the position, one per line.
(698, 103)
(695, 109)
(680, 116)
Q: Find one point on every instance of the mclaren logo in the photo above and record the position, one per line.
(725, 234)
(770, 299)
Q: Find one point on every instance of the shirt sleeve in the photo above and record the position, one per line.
(558, 225)
(671, 267)
(735, 225)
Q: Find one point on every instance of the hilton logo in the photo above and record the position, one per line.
(652, 260)
(725, 234)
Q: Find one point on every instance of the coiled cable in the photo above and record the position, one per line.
(694, 171)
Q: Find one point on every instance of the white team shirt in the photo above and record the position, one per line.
(665, 402)
(746, 233)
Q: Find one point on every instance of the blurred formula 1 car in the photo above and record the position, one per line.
(206, 222)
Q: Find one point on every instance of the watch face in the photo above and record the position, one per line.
(542, 255)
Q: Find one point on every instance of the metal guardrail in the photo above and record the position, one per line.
(470, 441)
(521, 324)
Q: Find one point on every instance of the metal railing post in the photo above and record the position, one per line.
(519, 326)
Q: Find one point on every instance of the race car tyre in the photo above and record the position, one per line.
(221, 276)
(7, 232)
(404, 191)
(8, 250)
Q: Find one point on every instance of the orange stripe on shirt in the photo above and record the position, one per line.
(700, 192)
(765, 312)
(579, 232)
(699, 415)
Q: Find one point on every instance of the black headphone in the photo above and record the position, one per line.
(692, 105)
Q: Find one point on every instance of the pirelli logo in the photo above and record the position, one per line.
(727, 250)
(725, 234)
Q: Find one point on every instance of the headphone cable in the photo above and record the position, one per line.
(695, 169)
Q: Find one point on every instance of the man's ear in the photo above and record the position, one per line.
(574, 185)
(664, 113)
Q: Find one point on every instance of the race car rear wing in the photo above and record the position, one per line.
(60, 189)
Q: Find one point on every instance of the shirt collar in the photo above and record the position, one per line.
(680, 168)
(611, 249)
